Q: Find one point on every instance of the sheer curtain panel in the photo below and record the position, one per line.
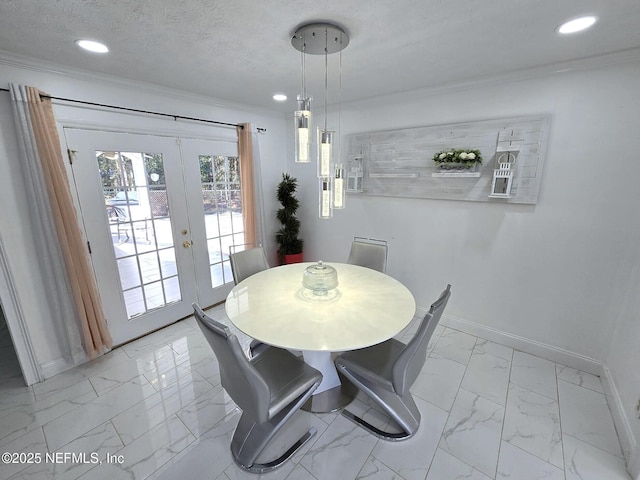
(245, 152)
(56, 223)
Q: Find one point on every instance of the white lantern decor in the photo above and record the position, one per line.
(503, 176)
(355, 175)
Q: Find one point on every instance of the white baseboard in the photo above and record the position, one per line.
(628, 441)
(564, 357)
(54, 367)
(61, 364)
(533, 347)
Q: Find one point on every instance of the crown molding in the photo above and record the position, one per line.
(587, 63)
(43, 66)
(628, 56)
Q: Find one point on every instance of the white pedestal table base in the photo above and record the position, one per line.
(334, 392)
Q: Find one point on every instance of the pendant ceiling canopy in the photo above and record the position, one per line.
(310, 38)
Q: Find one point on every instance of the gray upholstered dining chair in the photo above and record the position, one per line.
(269, 389)
(386, 371)
(369, 252)
(247, 262)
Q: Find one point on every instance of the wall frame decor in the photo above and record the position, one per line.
(413, 162)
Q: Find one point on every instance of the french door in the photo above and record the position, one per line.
(160, 214)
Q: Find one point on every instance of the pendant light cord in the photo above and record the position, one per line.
(304, 72)
(339, 100)
(326, 74)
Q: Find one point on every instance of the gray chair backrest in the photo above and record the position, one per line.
(247, 262)
(239, 378)
(409, 363)
(369, 253)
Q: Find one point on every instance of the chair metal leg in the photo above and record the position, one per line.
(255, 348)
(395, 436)
(272, 465)
(250, 438)
(403, 410)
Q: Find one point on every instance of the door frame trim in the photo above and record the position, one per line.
(73, 140)
(65, 122)
(18, 328)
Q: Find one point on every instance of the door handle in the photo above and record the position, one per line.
(187, 244)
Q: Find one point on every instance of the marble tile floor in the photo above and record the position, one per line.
(154, 409)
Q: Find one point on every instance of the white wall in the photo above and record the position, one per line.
(563, 272)
(567, 268)
(623, 357)
(15, 233)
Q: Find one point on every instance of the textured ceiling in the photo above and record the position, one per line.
(240, 50)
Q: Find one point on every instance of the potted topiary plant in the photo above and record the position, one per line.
(289, 245)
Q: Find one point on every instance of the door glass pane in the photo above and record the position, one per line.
(149, 267)
(217, 274)
(172, 289)
(168, 262)
(214, 251)
(137, 209)
(134, 302)
(226, 266)
(154, 295)
(129, 274)
(222, 200)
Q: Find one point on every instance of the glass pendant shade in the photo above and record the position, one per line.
(339, 187)
(325, 152)
(302, 119)
(326, 209)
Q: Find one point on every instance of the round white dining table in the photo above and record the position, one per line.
(366, 308)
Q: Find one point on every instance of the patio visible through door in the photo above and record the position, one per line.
(160, 215)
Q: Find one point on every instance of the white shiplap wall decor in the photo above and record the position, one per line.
(399, 163)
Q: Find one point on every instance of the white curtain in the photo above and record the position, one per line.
(49, 254)
(73, 301)
(257, 181)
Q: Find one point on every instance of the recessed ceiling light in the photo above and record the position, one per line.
(279, 97)
(92, 46)
(577, 24)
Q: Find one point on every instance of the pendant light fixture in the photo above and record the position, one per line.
(320, 39)
(325, 136)
(339, 186)
(338, 194)
(302, 118)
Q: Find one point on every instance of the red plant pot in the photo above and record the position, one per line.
(293, 258)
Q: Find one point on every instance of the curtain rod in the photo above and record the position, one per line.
(116, 107)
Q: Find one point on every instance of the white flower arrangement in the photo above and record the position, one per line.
(468, 158)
